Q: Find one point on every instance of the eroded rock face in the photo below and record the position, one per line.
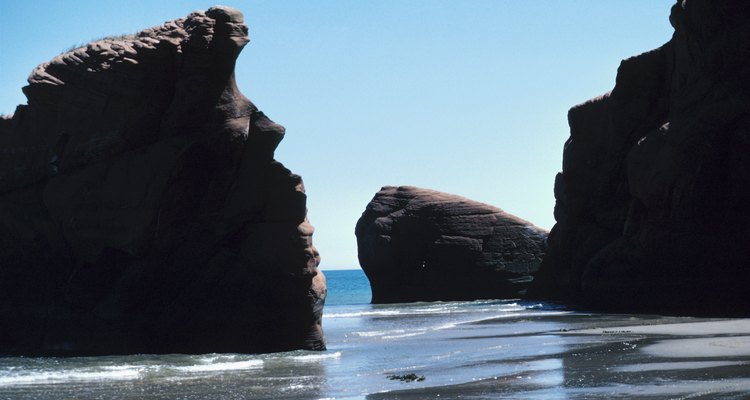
(652, 203)
(422, 245)
(142, 210)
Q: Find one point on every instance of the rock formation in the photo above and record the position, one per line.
(652, 202)
(422, 245)
(141, 208)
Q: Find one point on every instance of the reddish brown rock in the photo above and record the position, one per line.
(652, 203)
(422, 245)
(142, 210)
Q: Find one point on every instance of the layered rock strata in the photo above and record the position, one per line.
(423, 245)
(142, 210)
(652, 202)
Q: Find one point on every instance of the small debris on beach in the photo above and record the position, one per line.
(407, 378)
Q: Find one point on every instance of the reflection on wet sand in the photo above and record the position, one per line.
(483, 349)
(655, 358)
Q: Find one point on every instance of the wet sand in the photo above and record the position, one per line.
(465, 350)
(654, 358)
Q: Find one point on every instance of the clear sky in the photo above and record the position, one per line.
(464, 96)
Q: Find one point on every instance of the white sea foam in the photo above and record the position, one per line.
(452, 325)
(392, 334)
(374, 333)
(503, 316)
(115, 372)
(317, 357)
(404, 335)
(221, 366)
(362, 314)
(35, 377)
(438, 308)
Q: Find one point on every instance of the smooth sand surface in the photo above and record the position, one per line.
(652, 358)
(717, 327)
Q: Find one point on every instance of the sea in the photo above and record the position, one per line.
(487, 349)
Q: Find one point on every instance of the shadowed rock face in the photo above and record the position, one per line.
(142, 210)
(422, 245)
(652, 203)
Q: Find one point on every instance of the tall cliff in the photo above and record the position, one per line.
(653, 202)
(142, 210)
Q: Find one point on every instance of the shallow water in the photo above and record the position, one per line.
(482, 349)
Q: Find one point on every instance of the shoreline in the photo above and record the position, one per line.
(482, 349)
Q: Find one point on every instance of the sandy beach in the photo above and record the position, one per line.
(492, 349)
(649, 358)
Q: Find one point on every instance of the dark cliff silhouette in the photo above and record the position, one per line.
(653, 199)
(142, 210)
(423, 245)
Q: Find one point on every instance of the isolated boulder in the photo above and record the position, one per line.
(652, 202)
(142, 210)
(423, 245)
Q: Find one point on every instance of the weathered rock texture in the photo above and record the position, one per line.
(422, 245)
(141, 208)
(653, 203)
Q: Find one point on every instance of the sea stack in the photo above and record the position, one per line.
(423, 245)
(652, 201)
(142, 210)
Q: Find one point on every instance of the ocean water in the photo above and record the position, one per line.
(347, 287)
(499, 349)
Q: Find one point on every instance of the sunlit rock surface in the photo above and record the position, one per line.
(652, 202)
(142, 210)
(423, 245)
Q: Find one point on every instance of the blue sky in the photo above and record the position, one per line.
(465, 96)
